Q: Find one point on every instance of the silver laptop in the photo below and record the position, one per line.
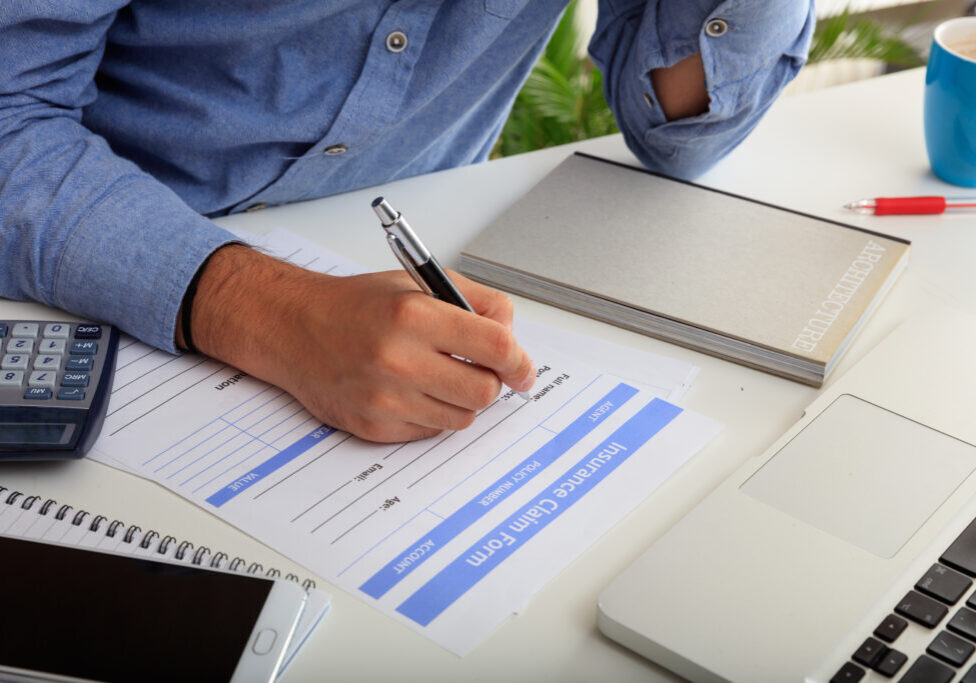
(845, 552)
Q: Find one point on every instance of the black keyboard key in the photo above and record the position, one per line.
(970, 676)
(889, 629)
(950, 648)
(961, 554)
(943, 583)
(963, 622)
(927, 670)
(849, 673)
(870, 652)
(922, 609)
(891, 663)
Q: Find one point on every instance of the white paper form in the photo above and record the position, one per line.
(449, 535)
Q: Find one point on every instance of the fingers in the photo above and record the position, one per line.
(456, 332)
(465, 385)
(490, 345)
(403, 418)
(484, 300)
(373, 356)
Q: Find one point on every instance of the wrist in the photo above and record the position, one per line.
(238, 303)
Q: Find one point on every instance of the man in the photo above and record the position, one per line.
(125, 124)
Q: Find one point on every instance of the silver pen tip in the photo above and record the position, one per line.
(388, 216)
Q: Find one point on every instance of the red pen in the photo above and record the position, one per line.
(887, 206)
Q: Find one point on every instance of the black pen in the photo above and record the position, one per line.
(417, 260)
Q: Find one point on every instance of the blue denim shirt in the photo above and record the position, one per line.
(125, 124)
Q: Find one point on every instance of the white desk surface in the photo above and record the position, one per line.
(812, 152)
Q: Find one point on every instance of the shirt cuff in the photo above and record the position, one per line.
(749, 51)
(129, 262)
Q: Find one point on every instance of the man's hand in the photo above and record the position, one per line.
(369, 354)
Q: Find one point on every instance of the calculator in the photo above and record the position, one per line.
(55, 380)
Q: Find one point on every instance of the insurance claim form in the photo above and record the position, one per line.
(449, 535)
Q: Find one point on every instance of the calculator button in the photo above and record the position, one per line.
(88, 332)
(14, 361)
(79, 363)
(87, 348)
(52, 346)
(20, 346)
(3, 330)
(47, 362)
(43, 378)
(11, 378)
(37, 393)
(74, 379)
(24, 330)
(57, 330)
(71, 394)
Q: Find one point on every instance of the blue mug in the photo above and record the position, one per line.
(950, 102)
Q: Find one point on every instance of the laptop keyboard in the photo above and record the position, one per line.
(935, 603)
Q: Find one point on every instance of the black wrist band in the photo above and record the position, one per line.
(187, 309)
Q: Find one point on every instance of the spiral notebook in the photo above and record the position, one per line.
(38, 518)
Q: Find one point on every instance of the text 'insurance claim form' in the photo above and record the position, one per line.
(449, 535)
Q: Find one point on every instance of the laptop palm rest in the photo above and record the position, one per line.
(863, 474)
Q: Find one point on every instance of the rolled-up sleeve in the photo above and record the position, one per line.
(80, 228)
(750, 50)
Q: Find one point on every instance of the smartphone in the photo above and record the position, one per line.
(79, 615)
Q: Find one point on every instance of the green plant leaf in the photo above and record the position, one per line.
(849, 36)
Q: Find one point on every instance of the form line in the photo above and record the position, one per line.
(328, 495)
(336, 539)
(164, 382)
(160, 405)
(146, 374)
(378, 484)
(322, 454)
(136, 359)
(403, 445)
(466, 446)
(200, 429)
(427, 510)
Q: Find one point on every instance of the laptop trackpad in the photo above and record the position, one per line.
(864, 474)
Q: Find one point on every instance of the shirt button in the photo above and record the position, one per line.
(716, 28)
(334, 150)
(396, 41)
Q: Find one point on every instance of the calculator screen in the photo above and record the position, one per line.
(39, 432)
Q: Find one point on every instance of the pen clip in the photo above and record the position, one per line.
(408, 265)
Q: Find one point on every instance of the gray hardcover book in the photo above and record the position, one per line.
(754, 283)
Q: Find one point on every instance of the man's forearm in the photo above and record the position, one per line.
(241, 302)
(369, 354)
(681, 88)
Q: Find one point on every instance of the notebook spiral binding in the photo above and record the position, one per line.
(150, 539)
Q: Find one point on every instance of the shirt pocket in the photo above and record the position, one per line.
(506, 9)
